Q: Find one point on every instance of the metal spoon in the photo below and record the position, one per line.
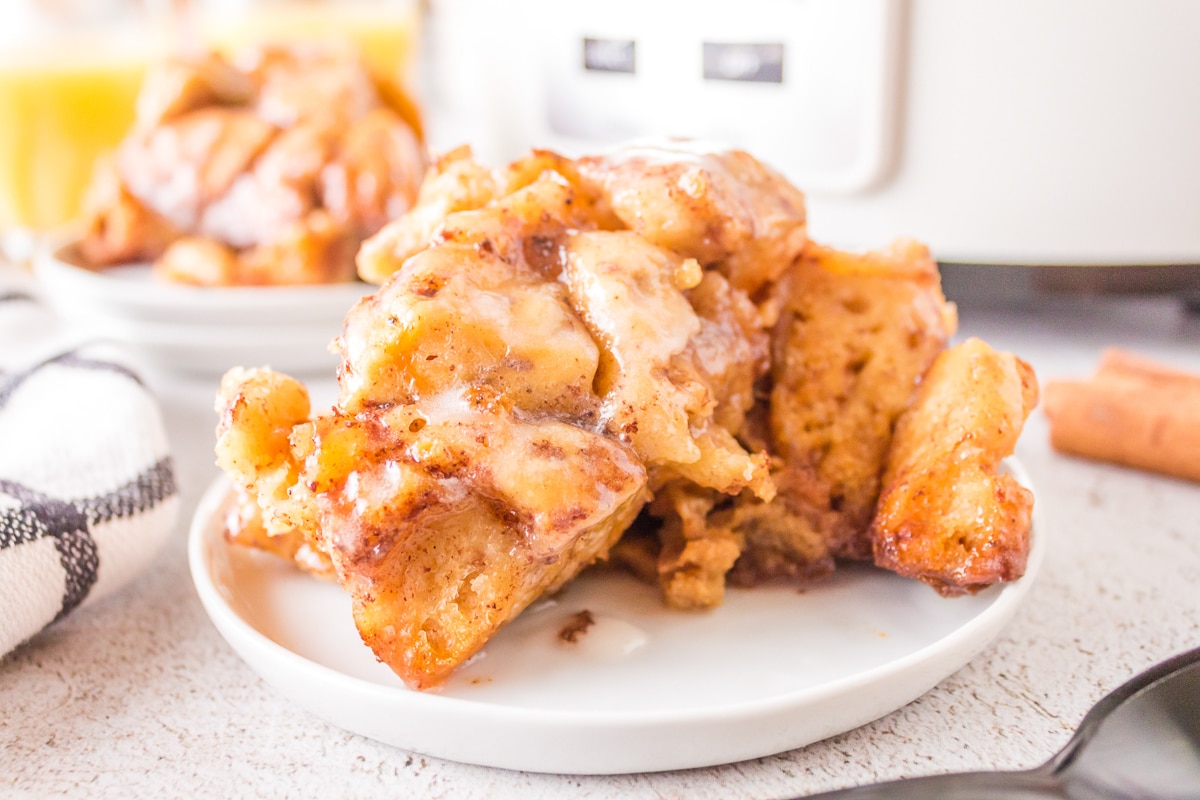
(1142, 742)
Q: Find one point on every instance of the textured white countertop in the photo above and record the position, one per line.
(138, 696)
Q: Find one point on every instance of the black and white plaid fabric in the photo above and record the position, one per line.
(87, 493)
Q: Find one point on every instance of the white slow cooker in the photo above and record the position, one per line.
(1037, 132)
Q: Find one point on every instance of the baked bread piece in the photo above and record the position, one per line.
(721, 207)
(269, 167)
(456, 182)
(948, 515)
(442, 520)
(560, 349)
(244, 526)
(855, 334)
(509, 399)
(1132, 411)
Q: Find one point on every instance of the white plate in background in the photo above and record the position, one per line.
(210, 350)
(201, 330)
(133, 291)
(645, 689)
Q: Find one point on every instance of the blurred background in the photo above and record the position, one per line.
(70, 72)
(1037, 146)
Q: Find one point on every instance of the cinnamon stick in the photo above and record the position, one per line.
(1132, 411)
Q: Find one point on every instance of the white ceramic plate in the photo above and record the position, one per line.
(133, 292)
(202, 330)
(210, 350)
(644, 689)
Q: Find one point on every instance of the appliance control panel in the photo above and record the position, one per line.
(810, 86)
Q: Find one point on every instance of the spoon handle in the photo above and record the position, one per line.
(958, 786)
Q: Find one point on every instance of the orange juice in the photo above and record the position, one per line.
(384, 32)
(60, 109)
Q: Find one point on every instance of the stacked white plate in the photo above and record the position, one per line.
(201, 330)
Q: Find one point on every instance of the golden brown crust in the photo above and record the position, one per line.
(244, 527)
(722, 207)
(437, 566)
(948, 514)
(454, 182)
(438, 541)
(854, 335)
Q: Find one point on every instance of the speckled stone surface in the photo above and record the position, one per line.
(139, 696)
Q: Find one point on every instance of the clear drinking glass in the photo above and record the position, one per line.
(69, 76)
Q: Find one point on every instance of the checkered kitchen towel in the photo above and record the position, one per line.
(87, 494)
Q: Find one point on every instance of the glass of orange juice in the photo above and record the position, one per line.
(69, 77)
